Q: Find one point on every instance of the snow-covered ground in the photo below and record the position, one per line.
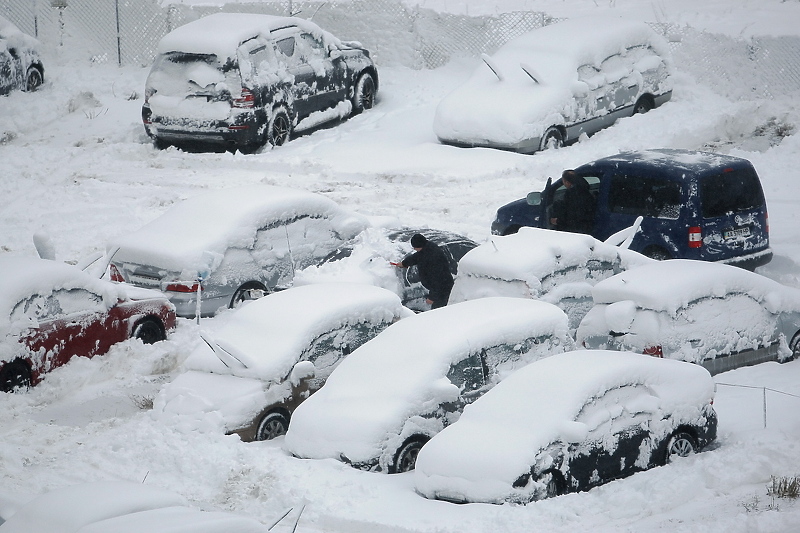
(75, 165)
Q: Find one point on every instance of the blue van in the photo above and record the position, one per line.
(695, 205)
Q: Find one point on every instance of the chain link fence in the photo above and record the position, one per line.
(127, 32)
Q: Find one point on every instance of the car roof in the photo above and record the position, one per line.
(677, 165)
(269, 335)
(222, 33)
(683, 281)
(211, 222)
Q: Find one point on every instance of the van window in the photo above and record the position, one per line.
(731, 191)
(649, 197)
(285, 46)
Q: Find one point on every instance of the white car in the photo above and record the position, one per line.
(716, 315)
(390, 396)
(266, 357)
(568, 423)
(121, 507)
(554, 266)
(556, 83)
(230, 245)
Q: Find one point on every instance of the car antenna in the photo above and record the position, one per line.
(492, 66)
(289, 246)
(529, 71)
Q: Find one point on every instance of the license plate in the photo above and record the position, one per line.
(735, 233)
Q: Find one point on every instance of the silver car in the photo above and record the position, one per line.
(226, 246)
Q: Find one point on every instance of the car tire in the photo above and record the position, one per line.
(279, 127)
(149, 331)
(794, 346)
(680, 444)
(245, 293)
(405, 459)
(553, 482)
(16, 375)
(364, 93)
(33, 79)
(657, 253)
(552, 138)
(643, 105)
(274, 424)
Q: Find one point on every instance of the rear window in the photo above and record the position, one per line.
(732, 191)
(649, 197)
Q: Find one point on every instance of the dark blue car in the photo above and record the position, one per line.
(695, 205)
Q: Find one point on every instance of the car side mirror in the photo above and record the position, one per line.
(335, 53)
(302, 371)
(444, 391)
(534, 198)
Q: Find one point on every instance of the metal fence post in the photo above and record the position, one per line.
(119, 45)
(765, 407)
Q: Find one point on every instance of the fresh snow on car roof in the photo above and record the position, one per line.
(270, 333)
(216, 220)
(682, 281)
(222, 33)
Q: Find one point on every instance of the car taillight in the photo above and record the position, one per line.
(246, 100)
(116, 275)
(766, 221)
(655, 351)
(695, 237)
(183, 286)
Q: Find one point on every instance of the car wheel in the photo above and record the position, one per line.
(149, 331)
(680, 444)
(33, 79)
(657, 253)
(364, 93)
(273, 425)
(553, 484)
(794, 346)
(642, 105)
(252, 290)
(552, 138)
(279, 128)
(406, 457)
(15, 375)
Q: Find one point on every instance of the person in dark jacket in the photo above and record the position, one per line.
(434, 269)
(575, 211)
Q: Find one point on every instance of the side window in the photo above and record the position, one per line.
(78, 301)
(263, 60)
(312, 238)
(731, 191)
(310, 48)
(285, 47)
(591, 76)
(326, 351)
(468, 374)
(618, 410)
(650, 197)
(36, 307)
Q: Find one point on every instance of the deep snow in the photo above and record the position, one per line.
(77, 166)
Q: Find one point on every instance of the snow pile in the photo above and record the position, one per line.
(503, 434)
(379, 395)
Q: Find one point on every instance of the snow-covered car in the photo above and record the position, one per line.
(556, 83)
(243, 80)
(230, 245)
(719, 316)
(568, 423)
(121, 507)
(51, 312)
(269, 355)
(383, 403)
(20, 59)
(556, 267)
(366, 259)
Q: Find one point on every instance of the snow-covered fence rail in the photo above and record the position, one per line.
(127, 31)
(764, 391)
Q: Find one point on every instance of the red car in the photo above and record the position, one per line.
(51, 312)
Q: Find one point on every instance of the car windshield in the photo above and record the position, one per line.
(178, 73)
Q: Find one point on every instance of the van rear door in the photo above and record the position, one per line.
(734, 213)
